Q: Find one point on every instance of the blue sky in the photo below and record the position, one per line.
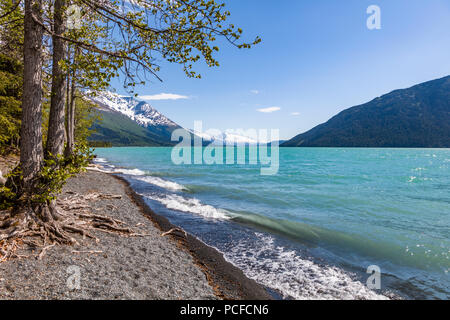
(316, 59)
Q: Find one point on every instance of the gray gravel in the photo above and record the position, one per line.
(152, 267)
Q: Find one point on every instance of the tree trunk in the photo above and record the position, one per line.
(71, 107)
(71, 119)
(67, 102)
(55, 138)
(31, 151)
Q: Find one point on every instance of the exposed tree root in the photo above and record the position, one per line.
(44, 226)
(44, 250)
(8, 249)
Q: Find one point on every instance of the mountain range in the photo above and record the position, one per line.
(126, 121)
(417, 117)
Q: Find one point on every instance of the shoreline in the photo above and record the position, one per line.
(228, 281)
(152, 266)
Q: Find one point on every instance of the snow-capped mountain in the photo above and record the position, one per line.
(229, 137)
(126, 121)
(139, 111)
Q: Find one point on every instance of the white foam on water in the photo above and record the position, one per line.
(165, 184)
(131, 172)
(100, 160)
(302, 279)
(190, 205)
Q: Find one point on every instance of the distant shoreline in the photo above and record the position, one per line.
(290, 147)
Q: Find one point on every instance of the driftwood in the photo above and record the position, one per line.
(172, 231)
(88, 251)
(93, 196)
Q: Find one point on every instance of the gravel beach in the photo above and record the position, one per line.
(151, 267)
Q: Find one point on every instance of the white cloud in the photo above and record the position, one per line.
(269, 110)
(163, 96)
(254, 91)
(295, 113)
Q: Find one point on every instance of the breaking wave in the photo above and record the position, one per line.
(165, 184)
(131, 172)
(283, 270)
(190, 205)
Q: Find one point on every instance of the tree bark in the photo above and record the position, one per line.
(56, 128)
(67, 101)
(71, 118)
(31, 151)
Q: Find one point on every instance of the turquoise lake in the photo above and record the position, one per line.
(313, 229)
